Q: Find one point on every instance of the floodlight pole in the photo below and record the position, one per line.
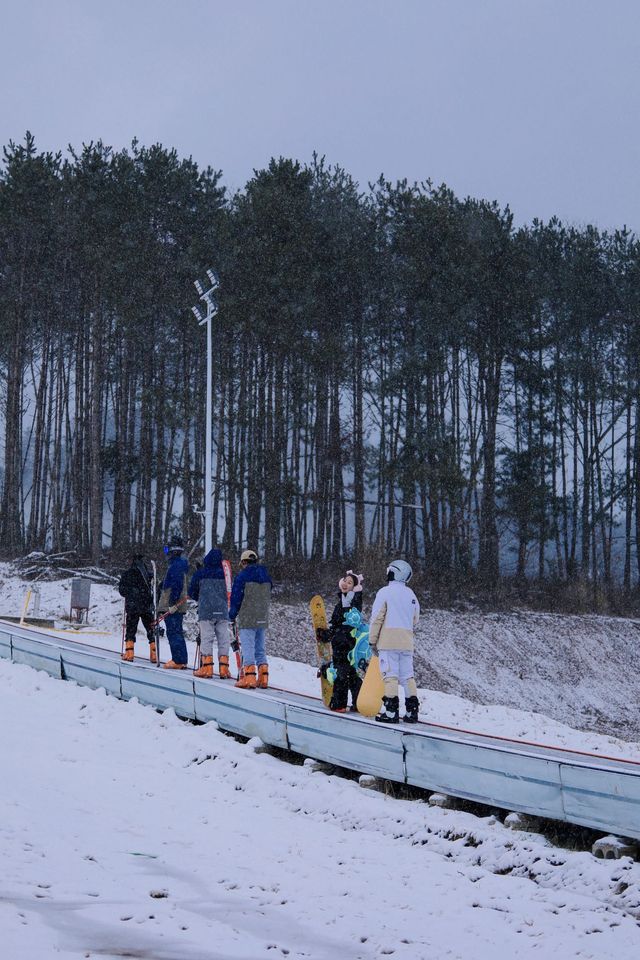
(212, 309)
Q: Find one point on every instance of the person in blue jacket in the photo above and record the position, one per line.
(173, 601)
(250, 598)
(208, 587)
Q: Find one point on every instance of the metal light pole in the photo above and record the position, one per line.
(212, 308)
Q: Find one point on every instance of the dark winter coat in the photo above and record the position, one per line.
(174, 585)
(135, 587)
(250, 597)
(339, 632)
(208, 587)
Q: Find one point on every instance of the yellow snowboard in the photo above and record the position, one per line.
(372, 689)
(319, 620)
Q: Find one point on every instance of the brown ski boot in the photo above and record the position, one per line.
(153, 653)
(206, 668)
(224, 668)
(248, 679)
(263, 676)
(172, 665)
(128, 650)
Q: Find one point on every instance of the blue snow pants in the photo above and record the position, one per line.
(175, 636)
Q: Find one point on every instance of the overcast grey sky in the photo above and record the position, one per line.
(534, 103)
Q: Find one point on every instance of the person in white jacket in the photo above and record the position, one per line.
(395, 613)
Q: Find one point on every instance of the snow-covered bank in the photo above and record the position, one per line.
(125, 832)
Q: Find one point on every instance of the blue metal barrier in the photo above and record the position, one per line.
(543, 781)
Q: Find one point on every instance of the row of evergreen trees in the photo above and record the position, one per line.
(395, 368)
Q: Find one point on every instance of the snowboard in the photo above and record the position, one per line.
(319, 621)
(372, 689)
(361, 653)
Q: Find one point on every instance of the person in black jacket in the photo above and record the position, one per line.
(342, 642)
(136, 588)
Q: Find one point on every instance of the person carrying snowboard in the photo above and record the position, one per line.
(342, 642)
(135, 587)
(173, 602)
(208, 587)
(394, 616)
(250, 599)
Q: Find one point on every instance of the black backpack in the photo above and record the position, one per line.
(135, 589)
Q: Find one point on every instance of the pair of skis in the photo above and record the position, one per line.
(156, 621)
(235, 642)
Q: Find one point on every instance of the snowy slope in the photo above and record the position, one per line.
(583, 671)
(129, 833)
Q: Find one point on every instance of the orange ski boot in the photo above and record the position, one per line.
(263, 676)
(248, 679)
(153, 653)
(128, 650)
(206, 668)
(224, 668)
(172, 665)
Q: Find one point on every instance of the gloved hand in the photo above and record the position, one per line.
(172, 609)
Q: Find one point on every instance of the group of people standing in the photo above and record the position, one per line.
(241, 608)
(221, 612)
(394, 617)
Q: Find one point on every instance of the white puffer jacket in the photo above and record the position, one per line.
(395, 613)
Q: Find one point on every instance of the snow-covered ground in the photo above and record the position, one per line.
(129, 833)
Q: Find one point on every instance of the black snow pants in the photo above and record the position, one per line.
(347, 680)
(132, 617)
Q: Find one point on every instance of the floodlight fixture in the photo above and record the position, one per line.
(197, 315)
(213, 279)
(212, 303)
(199, 288)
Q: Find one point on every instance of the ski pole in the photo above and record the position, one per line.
(156, 628)
(124, 626)
(197, 658)
(162, 616)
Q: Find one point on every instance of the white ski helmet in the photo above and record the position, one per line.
(400, 571)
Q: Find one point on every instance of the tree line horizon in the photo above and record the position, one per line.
(395, 369)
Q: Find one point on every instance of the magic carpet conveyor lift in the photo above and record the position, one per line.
(543, 781)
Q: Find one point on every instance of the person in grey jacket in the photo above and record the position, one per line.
(208, 587)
